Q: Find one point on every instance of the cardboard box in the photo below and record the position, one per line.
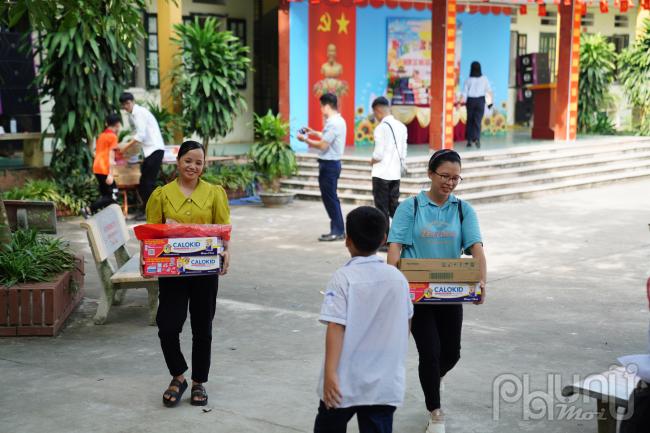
(181, 256)
(181, 266)
(438, 293)
(441, 270)
(175, 247)
(436, 281)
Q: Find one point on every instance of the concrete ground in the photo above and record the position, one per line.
(566, 296)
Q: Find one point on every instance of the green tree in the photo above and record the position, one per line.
(634, 67)
(210, 65)
(88, 52)
(597, 72)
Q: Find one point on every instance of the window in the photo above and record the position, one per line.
(152, 73)
(620, 42)
(221, 19)
(621, 21)
(238, 28)
(522, 44)
(587, 20)
(547, 44)
(550, 19)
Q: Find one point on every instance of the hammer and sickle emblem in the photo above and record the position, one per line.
(325, 23)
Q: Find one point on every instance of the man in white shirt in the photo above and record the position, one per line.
(330, 144)
(367, 309)
(147, 133)
(388, 157)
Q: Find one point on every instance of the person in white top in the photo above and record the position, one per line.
(367, 310)
(476, 88)
(388, 158)
(147, 133)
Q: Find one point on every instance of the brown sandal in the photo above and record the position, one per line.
(199, 391)
(169, 393)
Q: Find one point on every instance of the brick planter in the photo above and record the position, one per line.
(40, 308)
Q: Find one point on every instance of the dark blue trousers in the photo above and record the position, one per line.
(328, 180)
(371, 419)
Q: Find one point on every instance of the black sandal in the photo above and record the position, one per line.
(169, 394)
(199, 391)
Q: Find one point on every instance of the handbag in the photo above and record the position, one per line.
(402, 162)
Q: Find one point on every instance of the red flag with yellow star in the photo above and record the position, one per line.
(332, 53)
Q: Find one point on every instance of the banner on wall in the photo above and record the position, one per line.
(332, 46)
(409, 60)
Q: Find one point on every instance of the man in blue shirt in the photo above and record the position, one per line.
(330, 144)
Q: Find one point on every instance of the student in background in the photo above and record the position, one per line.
(475, 90)
(104, 159)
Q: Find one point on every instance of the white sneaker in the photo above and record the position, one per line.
(436, 422)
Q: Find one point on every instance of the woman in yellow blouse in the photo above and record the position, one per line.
(188, 200)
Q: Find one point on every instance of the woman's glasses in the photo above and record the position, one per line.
(446, 178)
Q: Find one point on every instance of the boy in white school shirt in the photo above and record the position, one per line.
(367, 310)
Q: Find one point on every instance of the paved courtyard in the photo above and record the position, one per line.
(565, 296)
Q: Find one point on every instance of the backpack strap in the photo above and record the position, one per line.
(460, 212)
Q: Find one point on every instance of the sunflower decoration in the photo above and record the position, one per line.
(360, 111)
(499, 122)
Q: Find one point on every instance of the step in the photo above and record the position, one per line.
(499, 195)
(490, 174)
(547, 157)
(466, 187)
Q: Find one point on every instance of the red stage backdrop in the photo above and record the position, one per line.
(331, 61)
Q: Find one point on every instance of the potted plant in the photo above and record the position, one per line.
(272, 157)
(41, 283)
(236, 179)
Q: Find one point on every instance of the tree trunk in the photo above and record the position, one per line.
(206, 143)
(5, 231)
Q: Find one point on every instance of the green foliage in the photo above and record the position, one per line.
(31, 257)
(5, 232)
(88, 51)
(230, 176)
(72, 193)
(597, 71)
(602, 125)
(210, 65)
(634, 75)
(168, 122)
(272, 156)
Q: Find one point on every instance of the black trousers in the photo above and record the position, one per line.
(328, 180)
(149, 174)
(371, 419)
(475, 111)
(107, 194)
(638, 411)
(386, 195)
(436, 330)
(174, 295)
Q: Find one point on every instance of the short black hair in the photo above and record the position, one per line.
(475, 70)
(189, 145)
(126, 96)
(329, 99)
(366, 228)
(443, 155)
(380, 102)
(113, 119)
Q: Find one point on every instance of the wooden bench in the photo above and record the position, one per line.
(611, 389)
(31, 214)
(107, 236)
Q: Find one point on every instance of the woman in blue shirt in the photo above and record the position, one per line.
(428, 226)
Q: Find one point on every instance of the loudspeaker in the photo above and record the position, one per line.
(533, 69)
(524, 106)
(19, 101)
(16, 74)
